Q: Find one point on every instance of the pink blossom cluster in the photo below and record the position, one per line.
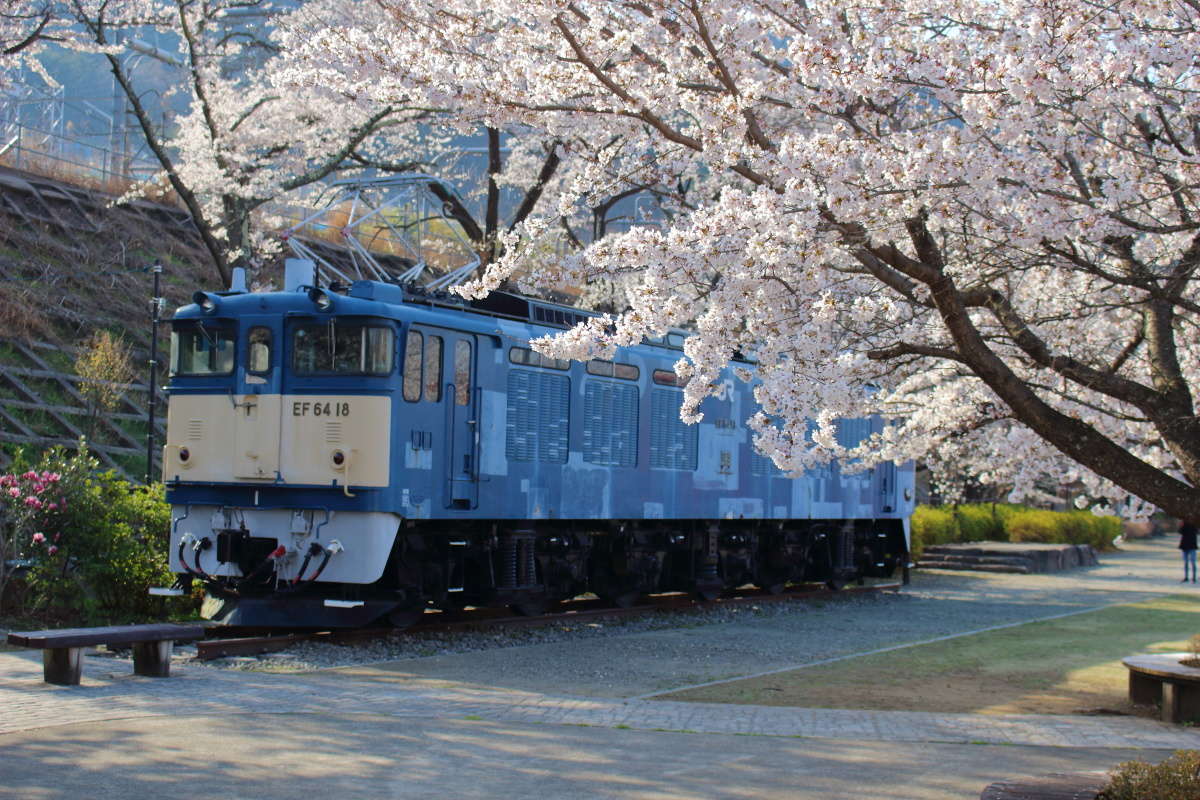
(34, 483)
(34, 496)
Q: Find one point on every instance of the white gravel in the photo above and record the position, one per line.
(310, 656)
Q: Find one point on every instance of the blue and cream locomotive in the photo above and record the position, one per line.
(347, 454)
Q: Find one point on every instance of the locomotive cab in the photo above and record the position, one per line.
(278, 446)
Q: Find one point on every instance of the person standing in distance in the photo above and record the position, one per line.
(1187, 543)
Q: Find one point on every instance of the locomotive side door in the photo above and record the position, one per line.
(257, 406)
(462, 399)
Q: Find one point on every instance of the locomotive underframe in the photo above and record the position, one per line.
(531, 565)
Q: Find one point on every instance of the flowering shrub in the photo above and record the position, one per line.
(92, 543)
(32, 505)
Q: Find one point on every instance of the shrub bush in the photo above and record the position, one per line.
(1177, 778)
(931, 526)
(101, 546)
(1033, 526)
(979, 523)
(1003, 522)
(1070, 527)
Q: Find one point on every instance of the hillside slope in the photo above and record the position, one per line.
(72, 264)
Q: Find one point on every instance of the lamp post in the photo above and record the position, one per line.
(156, 307)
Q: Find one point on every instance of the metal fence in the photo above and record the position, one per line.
(71, 160)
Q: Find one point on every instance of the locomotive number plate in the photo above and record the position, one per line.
(308, 409)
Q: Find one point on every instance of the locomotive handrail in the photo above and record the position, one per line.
(476, 452)
(346, 469)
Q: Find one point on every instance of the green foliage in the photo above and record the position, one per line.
(1177, 778)
(101, 548)
(932, 526)
(1003, 522)
(1071, 527)
(979, 524)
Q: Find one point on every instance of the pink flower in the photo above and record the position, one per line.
(38, 538)
(33, 502)
(51, 477)
(52, 506)
(6, 480)
(14, 492)
(39, 487)
(53, 550)
(30, 476)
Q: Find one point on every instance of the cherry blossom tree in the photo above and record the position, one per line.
(523, 166)
(242, 142)
(21, 27)
(975, 217)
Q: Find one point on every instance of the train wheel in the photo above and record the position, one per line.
(624, 600)
(401, 618)
(530, 608)
(775, 588)
(835, 584)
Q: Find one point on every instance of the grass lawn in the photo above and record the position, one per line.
(1063, 666)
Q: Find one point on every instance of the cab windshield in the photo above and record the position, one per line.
(342, 348)
(202, 350)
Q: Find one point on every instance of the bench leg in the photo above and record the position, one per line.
(62, 666)
(1189, 702)
(152, 659)
(1170, 702)
(1143, 691)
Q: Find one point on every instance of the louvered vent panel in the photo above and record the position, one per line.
(195, 429)
(851, 432)
(610, 424)
(673, 444)
(761, 465)
(536, 423)
(333, 433)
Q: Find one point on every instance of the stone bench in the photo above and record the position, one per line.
(1160, 678)
(62, 650)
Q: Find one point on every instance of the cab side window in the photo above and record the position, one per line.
(462, 372)
(413, 346)
(433, 369)
(258, 350)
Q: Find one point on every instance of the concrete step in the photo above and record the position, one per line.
(1021, 556)
(1016, 561)
(1011, 569)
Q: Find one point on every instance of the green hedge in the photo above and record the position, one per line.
(1072, 527)
(1004, 522)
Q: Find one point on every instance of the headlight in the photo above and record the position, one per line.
(320, 298)
(207, 302)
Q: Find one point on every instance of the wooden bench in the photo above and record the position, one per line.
(1160, 678)
(1068, 786)
(62, 650)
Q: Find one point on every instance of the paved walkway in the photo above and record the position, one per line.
(108, 692)
(202, 714)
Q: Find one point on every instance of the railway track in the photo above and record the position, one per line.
(246, 642)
